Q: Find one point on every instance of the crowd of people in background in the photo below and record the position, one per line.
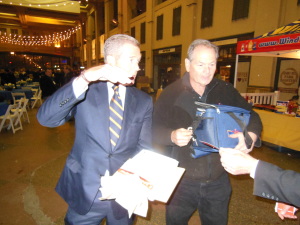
(57, 77)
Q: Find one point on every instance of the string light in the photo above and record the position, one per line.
(41, 4)
(31, 61)
(46, 40)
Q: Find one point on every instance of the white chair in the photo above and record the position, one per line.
(22, 109)
(36, 98)
(34, 90)
(17, 96)
(12, 118)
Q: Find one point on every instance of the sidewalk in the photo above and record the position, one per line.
(32, 159)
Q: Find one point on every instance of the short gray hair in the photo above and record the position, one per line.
(201, 42)
(114, 43)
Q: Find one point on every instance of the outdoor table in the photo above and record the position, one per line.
(280, 129)
(7, 94)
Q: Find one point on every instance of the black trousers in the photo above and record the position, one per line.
(211, 199)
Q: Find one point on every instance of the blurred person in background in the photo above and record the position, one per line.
(68, 74)
(47, 84)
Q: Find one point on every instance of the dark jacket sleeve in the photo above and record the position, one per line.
(161, 126)
(277, 184)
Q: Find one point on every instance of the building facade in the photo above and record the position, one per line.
(165, 28)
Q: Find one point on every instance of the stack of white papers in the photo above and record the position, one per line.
(147, 176)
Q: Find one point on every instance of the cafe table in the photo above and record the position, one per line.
(7, 94)
(28, 86)
(280, 129)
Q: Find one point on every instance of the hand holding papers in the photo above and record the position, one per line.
(147, 176)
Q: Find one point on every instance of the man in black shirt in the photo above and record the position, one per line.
(205, 185)
(47, 85)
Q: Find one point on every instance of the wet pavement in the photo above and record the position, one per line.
(32, 160)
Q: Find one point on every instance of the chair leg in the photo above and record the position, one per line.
(27, 116)
(33, 104)
(18, 121)
(11, 125)
(2, 124)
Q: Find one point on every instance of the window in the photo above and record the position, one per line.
(2, 31)
(143, 33)
(160, 1)
(14, 31)
(159, 27)
(227, 52)
(132, 32)
(25, 33)
(137, 7)
(83, 28)
(113, 8)
(141, 6)
(240, 9)
(176, 21)
(207, 13)
(142, 65)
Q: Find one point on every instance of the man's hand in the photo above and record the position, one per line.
(108, 73)
(181, 136)
(287, 211)
(242, 144)
(237, 162)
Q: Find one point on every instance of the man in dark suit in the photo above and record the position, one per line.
(270, 181)
(87, 98)
(47, 85)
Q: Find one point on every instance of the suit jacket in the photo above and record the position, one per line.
(91, 153)
(277, 184)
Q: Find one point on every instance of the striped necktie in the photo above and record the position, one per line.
(116, 117)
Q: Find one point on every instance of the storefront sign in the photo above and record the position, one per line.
(289, 76)
(242, 77)
(167, 50)
(288, 81)
(268, 44)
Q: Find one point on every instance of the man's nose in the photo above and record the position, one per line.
(206, 68)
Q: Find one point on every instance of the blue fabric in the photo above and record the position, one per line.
(3, 108)
(28, 93)
(7, 94)
(91, 155)
(216, 124)
(99, 211)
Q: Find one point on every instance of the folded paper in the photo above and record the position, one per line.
(146, 176)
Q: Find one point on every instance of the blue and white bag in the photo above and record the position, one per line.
(213, 126)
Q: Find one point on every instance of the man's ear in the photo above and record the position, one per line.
(111, 60)
(187, 64)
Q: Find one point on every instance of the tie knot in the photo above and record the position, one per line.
(115, 87)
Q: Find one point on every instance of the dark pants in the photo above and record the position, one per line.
(210, 198)
(99, 211)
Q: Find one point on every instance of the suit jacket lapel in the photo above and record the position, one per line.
(129, 111)
(100, 95)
